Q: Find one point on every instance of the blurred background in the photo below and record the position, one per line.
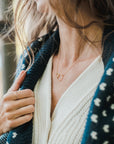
(9, 53)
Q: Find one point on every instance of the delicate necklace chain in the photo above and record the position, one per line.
(60, 76)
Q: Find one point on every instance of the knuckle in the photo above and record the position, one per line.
(20, 92)
(6, 108)
(5, 97)
(10, 124)
(7, 116)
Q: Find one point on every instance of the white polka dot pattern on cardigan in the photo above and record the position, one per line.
(101, 114)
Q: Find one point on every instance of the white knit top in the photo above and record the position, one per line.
(69, 117)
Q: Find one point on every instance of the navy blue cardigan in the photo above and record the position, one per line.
(100, 122)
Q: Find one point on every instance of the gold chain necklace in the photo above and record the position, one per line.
(60, 76)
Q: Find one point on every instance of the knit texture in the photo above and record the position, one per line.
(66, 125)
(23, 134)
(100, 123)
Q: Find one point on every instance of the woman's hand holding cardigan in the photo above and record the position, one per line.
(16, 107)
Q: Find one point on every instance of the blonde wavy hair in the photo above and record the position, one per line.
(29, 23)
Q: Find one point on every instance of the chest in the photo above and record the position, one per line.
(59, 87)
(71, 105)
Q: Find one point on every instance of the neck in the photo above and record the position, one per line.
(73, 47)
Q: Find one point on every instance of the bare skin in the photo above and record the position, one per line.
(16, 107)
(73, 49)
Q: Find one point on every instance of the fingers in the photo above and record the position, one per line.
(16, 85)
(15, 105)
(20, 121)
(20, 112)
(24, 102)
(16, 95)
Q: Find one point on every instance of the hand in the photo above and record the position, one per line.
(16, 107)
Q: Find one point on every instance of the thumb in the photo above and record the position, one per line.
(16, 85)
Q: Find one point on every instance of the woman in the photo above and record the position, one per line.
(63, 68)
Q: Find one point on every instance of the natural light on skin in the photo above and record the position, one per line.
(67, 57)
(67, 32)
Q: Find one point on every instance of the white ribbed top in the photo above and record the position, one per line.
(69, 117)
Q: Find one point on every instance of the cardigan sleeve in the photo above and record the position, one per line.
(20, 67)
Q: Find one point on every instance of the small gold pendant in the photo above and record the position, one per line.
(59, 76)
